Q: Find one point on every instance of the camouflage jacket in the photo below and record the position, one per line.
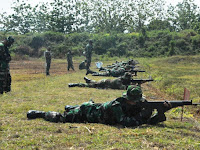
(69, 57)
(5, 57)
(105, 83)
(112, 112)
(88, 51)
(47, 55)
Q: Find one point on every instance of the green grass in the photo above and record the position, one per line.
(51, 93)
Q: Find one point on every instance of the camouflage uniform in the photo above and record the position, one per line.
(125, 110)
(69, 60)
(118, 83)
(114, 72)
(88, 53)
(5, 58)
(82, 65)
(47, 55)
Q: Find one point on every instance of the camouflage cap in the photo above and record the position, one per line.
(90, 41)
(133, 93)
(10, 39)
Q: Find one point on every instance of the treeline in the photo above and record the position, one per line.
(96, 16)
(143, 44)
(137, 28)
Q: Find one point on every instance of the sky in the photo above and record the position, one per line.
(5, 5)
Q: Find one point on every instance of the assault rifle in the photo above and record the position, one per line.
(161, 105)
(134, 71)
(140, 81)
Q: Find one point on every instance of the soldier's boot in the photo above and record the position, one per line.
(87, 80)
(33, 114)
(8, 89)
(73, 84)
(100, 69)
(89, 72)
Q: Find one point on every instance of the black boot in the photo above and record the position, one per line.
(73, 84)
(87, 80)
(32, 114)
(89, 72)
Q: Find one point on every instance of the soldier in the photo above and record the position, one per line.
(120, 83)
(88, 53)
(47, 55)
(82, 65)
(114, 72)
(69, 60)
(125, 110)
(5, 58)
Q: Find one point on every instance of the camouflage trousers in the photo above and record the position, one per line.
(48, 65)
(70, 65)
(88, 62)
(5, 78)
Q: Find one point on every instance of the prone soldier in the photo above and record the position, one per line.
(114, 72)
(130, 110)
(125, 110)
(120, 83)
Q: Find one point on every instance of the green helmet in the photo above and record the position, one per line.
(133, 93)
(127, 76)
(10, 39)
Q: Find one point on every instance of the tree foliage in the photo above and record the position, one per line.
(100, 16)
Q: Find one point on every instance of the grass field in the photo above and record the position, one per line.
(31, 89)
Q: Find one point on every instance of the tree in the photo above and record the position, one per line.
(183, 15)
(143, 11)
(159, 25)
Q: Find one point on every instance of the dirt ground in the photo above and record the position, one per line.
(38, 67)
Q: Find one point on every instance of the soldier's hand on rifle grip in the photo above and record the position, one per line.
(167, 105)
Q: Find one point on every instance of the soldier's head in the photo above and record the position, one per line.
(133, 93)
(127, 76)
(128, 67)
(9, 41)
(90, 41)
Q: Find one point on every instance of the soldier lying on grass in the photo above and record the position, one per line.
(120, 83)
(126, 110)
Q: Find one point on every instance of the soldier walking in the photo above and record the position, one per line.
(69, 60)
(47, 55)
(5, 58)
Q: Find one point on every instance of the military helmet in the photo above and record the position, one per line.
(90, 41)
(133, 93)
(10, 39)
(127, 76)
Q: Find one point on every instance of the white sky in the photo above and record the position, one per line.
(5, 5)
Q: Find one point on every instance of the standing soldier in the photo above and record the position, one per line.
(47, 55)
(69, 60)
(88, 53)
(5, 58)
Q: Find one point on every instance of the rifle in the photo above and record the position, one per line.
(140, 81)
(134, 71)
(160, 105)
